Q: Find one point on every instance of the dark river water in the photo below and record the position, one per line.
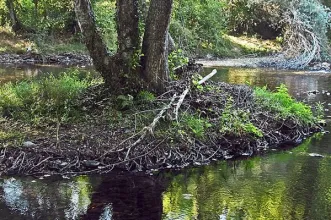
(287, 184)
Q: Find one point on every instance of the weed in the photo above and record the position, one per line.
(52, 97)
(237, 122)
(124, 102)
(146, 96)
(194, 124)
(175, 59)
(281, 103)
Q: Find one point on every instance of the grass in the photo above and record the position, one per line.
(281, 103)
(11, 43)
(52, 98)
(253, 45)
(237, 122)
(58, 46)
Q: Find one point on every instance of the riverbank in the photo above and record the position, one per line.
(260, 62)
(74, 59)
(96, 132)
(52, 59)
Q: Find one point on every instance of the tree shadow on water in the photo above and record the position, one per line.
(127, 196)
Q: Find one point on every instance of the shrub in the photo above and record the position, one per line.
(194, 124)
(281, 103)
(237, 122)
(53, 96)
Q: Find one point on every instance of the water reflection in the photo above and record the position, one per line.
(297, 82)
(127, 197)
(14, 73)
(27, 198)
(284, 185)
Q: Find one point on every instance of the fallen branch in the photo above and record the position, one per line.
(151, 126)
(204, 79)
(182, 96)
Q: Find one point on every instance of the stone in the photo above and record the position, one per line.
(91, 163)
(29, 144)
(315, 155)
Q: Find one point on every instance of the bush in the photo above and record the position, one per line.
(52, 97)
(237, 122)
(281, 103)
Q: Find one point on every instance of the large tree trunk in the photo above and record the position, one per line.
(16, 24)
(155, 45)
(122, 70)
(116, 70)
(127, 28)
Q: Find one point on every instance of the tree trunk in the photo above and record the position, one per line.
(155, 45)
(127, 31)
(116, 69)
(16, 24)
(122, 70)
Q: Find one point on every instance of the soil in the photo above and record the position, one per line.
(146, 137)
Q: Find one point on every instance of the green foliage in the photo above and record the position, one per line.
(12, 136)
(283, 104)
(124, 102)
(319, 110)
(177, 58)
(197, 27)
(52, 97)
(105, 17)
(146, 96)
(195, 82)
(194, 124)
(237, 122)
(51, 16)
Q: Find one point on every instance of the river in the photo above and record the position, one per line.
(287, 184)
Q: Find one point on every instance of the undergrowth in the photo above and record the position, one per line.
(51, 98)
(281, 103)
(237, 122)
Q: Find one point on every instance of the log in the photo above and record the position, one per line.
(204, 79)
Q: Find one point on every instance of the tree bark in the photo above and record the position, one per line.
(122, 70)
(127, 28)
(16, 24)
(155, 45)
(116, 69)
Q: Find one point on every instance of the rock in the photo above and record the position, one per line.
(29, 144)
(315, 155)
(321, 66)
(187, 196)
(63, 164)
(91, 163)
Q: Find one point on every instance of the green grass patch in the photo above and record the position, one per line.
(253, 45)
(9, 43)
(237, 122)
(58, 47)
(51, 98)
(281, 103)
